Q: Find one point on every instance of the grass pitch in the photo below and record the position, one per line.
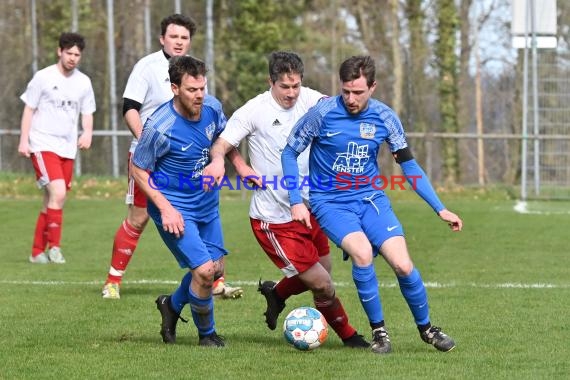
(500, 288)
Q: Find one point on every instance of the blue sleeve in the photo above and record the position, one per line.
(307, 127)
(217, 114)
(151, 146)
(291, 174)
(215, 109)
(421, 184)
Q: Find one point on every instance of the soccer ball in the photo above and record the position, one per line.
(305, 328)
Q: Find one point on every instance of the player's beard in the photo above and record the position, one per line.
(195, 112)
(191, 110)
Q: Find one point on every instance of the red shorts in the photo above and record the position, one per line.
(49, 166)
(291, 246)
(135, 195)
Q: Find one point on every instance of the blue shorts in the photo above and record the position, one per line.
(374, 217)
(201, 242)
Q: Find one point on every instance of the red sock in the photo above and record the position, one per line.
(40, 235)
(290, 286)
(54, 220)
(126, 241)
(336, 317)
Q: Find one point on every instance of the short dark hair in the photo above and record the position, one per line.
(68, 40)
(283, 62)
(178, 19)
(185, 64)
(357, 66)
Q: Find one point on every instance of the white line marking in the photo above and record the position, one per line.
(433, 285)
(522, 207)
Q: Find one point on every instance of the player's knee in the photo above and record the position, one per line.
(57, 202)
(322, 287)
(361, 254)
(362, 258)
(325, 261)
(403, 269)
(56, 197)
(204, 275)
(138, 218)
(138, 224)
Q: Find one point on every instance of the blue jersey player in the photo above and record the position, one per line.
(168, 163)
(345, 133)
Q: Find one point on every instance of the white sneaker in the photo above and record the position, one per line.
(111, 291)
(224, 291)
(55, 255)
(39, 259)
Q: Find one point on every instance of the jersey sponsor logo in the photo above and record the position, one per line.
(66, 105)
(276, 123)
(331, 134)
(353, 160)
(367, 130)
(391, 228)
(201, 163)
(210, 129)
(186, 147)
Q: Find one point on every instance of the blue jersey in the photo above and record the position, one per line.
(175, 150)
(344, 148)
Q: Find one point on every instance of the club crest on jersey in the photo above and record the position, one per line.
(367, 131)
(210, 129)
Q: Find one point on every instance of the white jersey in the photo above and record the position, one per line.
(149, 84)
(267, 125)
(57, 101)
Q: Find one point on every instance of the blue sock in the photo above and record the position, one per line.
(180, 297)
(202, 313)
(414, 291)
(367, 287)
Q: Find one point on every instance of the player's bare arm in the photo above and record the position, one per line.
(216, 167)
(454, 221)
(25, 125)
(172, 220)
(133, 119)
(243, 169)
(84, 141)
(300, 213)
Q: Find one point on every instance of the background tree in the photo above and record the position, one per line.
(418, 86)
(376, 23)
(447, 67)
(250, 31)
(16, 70)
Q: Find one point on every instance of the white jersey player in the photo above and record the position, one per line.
(54, 99)
(301, 253)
